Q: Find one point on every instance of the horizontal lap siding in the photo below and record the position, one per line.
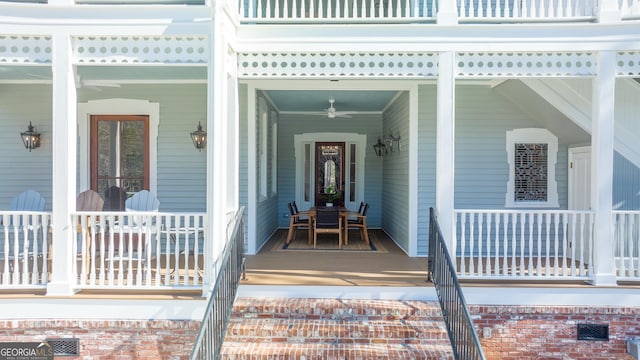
(292, 124)
(482, 170)
(181, 168)
(23, 170)
(395, 191)
(426, 162)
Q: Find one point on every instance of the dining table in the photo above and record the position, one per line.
(344, 217)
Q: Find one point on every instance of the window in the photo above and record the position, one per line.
(119, 152)
(532, 155)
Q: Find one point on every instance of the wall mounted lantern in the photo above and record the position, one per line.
(392, 142)
(30, 138)
(199, 138)
(380, 148)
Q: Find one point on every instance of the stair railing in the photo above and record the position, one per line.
(462, 334)
(216, 318)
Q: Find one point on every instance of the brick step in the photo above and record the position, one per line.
(296, 308)
(291, 328)
(272, 351)
(335, 331)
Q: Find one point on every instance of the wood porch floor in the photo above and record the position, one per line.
(387, 266)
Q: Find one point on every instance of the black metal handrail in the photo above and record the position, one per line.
(214, 324)
(462, 334)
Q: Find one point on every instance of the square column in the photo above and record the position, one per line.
(64, 138)
(603, 112)
(445, 146)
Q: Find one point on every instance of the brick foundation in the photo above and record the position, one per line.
(111, 339)
(550, 332)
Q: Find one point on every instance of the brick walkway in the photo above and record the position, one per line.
(314, 329)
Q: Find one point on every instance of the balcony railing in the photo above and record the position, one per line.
(524, 244)
(409, 11)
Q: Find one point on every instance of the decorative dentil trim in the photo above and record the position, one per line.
(141, 49)
(16, 49)
(341, 65)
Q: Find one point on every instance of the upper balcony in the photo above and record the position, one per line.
(398, 11)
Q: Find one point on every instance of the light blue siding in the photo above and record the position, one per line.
(626, 184)
(481, 164)
(23, 170)
(181, 168)
(366, 124)
(426, 162)
(395, 184)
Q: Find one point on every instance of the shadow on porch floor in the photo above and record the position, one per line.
(388, 266)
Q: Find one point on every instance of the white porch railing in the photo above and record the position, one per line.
(336, 10)
(626, 244)
(347, 11)
(526, 10)
(25, 249)
(139, 250)
(630, 9)
(524, 244)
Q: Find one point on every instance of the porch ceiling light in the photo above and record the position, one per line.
(30, 138)
(199, 138)
(380, 148)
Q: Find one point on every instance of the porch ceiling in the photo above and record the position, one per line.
(297, 101)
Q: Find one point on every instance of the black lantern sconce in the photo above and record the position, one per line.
(199, 138)
(30, 138)
(380, 148)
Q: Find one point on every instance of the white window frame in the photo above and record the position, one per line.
(532, 136)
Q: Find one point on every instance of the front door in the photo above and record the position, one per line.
(329, 173)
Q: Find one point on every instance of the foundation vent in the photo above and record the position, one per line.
(593, 332)
(65, 346)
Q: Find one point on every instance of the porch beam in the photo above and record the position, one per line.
(603, 112)
(445, 145)
(64, 138)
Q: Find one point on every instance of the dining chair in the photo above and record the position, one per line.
(327, 221)
(295, 223)
(360, 223)
(302, 215)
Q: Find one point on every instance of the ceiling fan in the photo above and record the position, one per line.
(332, 113)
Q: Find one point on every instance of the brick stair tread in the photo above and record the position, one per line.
(259, 351)
(327, 331)
(336, 308)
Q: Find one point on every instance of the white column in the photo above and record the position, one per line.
(64, 165)
(609, 12)
(216, 150)
(603, 102)
(447, 12)
(445, 145)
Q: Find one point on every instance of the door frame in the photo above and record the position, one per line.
(117, 107)
(300, 140)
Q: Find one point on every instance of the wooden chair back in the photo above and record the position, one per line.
(89, 200)
(143, 200)
(114, 199)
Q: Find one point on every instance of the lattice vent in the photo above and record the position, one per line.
(593, 332)
(65, 346)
